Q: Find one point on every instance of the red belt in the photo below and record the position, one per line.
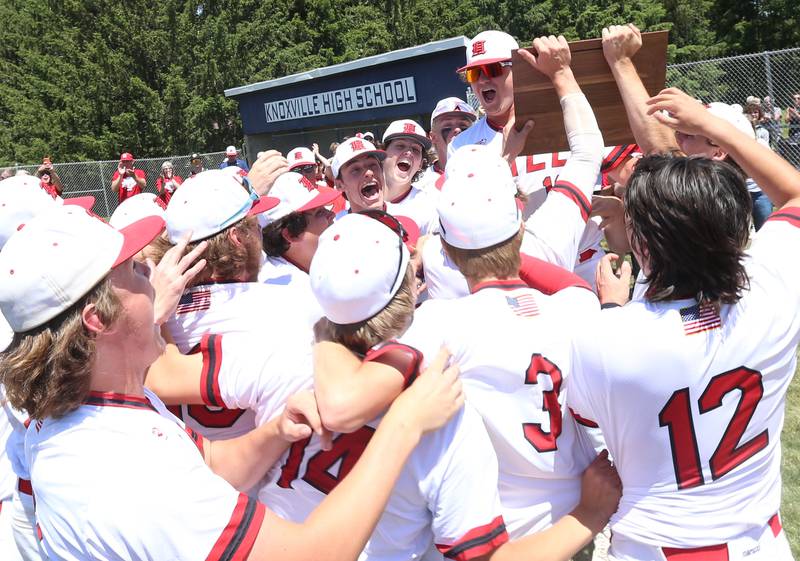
(712, 552)
(24, 486)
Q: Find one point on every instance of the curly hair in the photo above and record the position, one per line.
(690, 219)
(225, 259)
(390, 322)
(47, 370)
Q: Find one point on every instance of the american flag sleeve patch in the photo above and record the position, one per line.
(697, 319)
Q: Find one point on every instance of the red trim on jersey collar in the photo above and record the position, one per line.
(494, 126)
(506, 284)
(788, 214)
(113, 399)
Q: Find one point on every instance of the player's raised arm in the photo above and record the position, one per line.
(776, 177)
(338, 528)
(620, 44)
(555, 229)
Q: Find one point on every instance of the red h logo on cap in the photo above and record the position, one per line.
(409, 128)
(478, 48)
(298, 155)
(357, 145)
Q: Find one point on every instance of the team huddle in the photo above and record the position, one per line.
(447, 364)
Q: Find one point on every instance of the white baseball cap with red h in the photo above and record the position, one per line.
(353, 148)
(488, 47)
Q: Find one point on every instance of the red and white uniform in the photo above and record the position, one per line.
(419, 206)
(122, 478)
(429, 177)
(511, 346)
(128, 186)
(691, 402)
(429, 504)
(240, 307)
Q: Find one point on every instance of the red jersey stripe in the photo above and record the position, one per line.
(211, 347)
(236, 540)
(575, 195)
(477, 542)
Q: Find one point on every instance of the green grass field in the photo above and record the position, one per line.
(790, 507)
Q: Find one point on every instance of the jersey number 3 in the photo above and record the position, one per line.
(677, 417)
(544, 441)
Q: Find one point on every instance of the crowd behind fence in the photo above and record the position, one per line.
(772, 76)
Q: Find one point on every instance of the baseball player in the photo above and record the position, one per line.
(552, 233)
(511, 344)
(226, 296)
(23, 199)
(99, 436)
(290, 239)
(450, 117)
(357, 172)
(406, 143)
(693, 414)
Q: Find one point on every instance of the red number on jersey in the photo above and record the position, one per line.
(539, 439)
(214, 418)
(677, 417)
(346, 450)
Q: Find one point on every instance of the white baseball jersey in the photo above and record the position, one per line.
(243, 307)
(122, 478)
(429, 503)
(419, 206)
(427, 179)
(511, 344)
(691, 400)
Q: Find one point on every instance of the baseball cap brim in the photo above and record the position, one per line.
(263, 204)
(380, 154)
(325, 197)
(482, 62)
(301, 164)
(138, 235)
(471, 116)
(424, 140)
(86, 202)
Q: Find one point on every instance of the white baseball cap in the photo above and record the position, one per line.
(357, 269)
(231, 151)
(406, 128)
(211, 201)
(453, 106)
(353, 148)
(477, 205)
(135, 208)
(300, 156)
(488, 47)
(74, 251)
(298, 194)
(734, 115)
(22, 198)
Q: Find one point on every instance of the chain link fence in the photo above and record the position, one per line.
(94, 178)
(773, 77)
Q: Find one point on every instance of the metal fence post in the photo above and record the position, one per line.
(104, 189)
(768, 70)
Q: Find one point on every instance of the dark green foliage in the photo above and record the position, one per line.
(88, 79)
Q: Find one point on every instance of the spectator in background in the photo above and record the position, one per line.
(51, 182)
(793, 119)
(5, 173)
(167, 182)
(127, 181)
(772, 118)
(196, 165)
(232, 159)
(755, 113)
